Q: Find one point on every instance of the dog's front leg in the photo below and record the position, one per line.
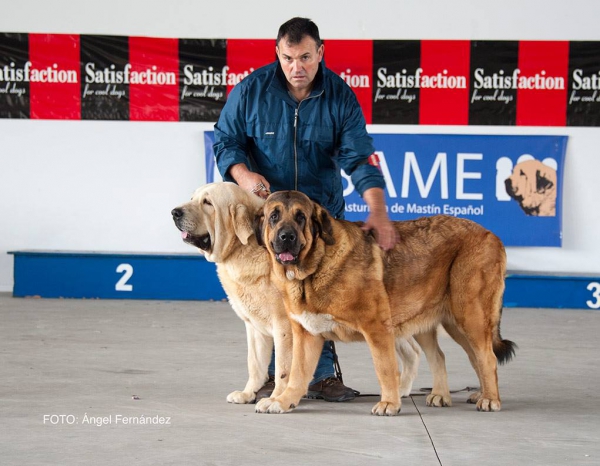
(260, 347)
(306, 351)
(282, 334)
(381, 344)
(409, 351)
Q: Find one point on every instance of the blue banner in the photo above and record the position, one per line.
(511, 185)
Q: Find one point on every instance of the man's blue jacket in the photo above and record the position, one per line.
(297, 145)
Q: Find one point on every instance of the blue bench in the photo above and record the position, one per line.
(113, 275)
(553, 290)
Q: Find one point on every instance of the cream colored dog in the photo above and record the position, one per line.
(219, 222)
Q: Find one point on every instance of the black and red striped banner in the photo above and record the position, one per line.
(429, 82)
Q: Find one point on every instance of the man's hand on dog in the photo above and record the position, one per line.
(378, 219)
(250, 181)
(384, 230)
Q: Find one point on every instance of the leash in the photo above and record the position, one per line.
(423, 391)
(336, 363)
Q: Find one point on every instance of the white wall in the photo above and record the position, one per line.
(110, 186)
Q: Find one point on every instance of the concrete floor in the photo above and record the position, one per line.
(73, 371)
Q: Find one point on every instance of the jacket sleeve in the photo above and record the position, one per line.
(355, 147)
(231, 141)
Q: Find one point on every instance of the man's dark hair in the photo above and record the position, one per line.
(296, 29)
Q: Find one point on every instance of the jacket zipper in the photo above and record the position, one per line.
(296, 137)
(296, 147)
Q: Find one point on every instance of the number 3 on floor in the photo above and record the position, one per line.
(594, 287)
(127, 271)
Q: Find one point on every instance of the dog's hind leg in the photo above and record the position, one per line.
(459, 338)
(477, 343)
(487, 365)
(410, 355)
(440, 393)
(260, 347)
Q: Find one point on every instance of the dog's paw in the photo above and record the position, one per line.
(474, 398)
(273, 406)
(438, 401)
(262, 406)
(241, 397)
(383, 408)
(487, 405)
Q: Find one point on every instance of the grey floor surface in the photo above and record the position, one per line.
(100, 382)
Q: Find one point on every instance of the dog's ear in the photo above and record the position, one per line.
(258, 227)
(542, 183)
(321, 223)
(242, 223)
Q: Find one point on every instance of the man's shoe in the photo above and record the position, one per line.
(331, 389)
(266, 390)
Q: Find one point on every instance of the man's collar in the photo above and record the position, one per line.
(280, 82)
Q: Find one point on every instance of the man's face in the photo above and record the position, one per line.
(300, 63)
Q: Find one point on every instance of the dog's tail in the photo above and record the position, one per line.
(503, 349)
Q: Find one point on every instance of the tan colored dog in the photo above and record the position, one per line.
(219, 222)
(533, 185)
(338, 284)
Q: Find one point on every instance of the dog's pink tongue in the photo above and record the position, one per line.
(286, 256)
(184, 234)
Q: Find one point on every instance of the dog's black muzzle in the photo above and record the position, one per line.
(286, 245)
